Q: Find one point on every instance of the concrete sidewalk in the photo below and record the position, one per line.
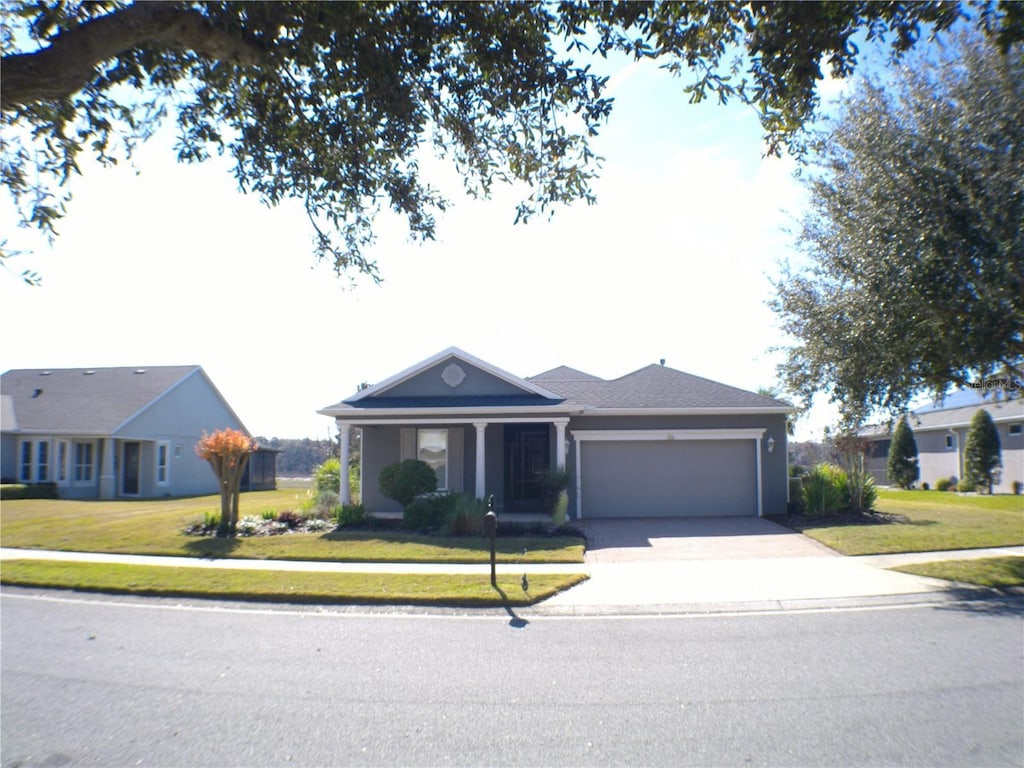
(662, 586)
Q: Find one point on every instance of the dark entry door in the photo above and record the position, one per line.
(527, 458)
(130, 483)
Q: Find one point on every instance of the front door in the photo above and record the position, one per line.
(527, 459)
(130, 465)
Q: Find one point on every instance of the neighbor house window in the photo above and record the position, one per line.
(950, 442)
(26, 461)
(83, 462)
(62, 462)
(432, 448)
(163, 451)
(1014, 430)
(42, 461)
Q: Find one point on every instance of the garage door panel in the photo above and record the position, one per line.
(682, 478)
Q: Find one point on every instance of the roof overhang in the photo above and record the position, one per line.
(717, 411)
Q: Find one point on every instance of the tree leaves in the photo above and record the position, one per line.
(915, 235)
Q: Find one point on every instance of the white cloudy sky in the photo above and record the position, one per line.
(171, 265)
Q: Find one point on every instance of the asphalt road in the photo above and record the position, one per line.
(123, 683)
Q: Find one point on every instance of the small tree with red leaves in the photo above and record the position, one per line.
(228, 451)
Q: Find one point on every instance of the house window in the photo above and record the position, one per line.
(62, 462)
(950, 442)
(1014, 430)
(83, 462)
(432, 448)
(26, 462)
(42, 461)
(163, 451)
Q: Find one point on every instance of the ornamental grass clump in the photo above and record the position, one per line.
(825, 490)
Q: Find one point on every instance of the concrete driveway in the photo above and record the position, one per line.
(696, 538)
(667, 565)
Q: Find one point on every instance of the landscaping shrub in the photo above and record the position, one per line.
(406, 480)
(327, 476)
(269, 513)
(945, 484)
(429, 512)
(966, 485)
(796, 494)
(1018, 486)
(924, 487)
(825, 490)
(902, 465)
(561, 511)
(466, 517)
(290, 519)
(22, 491)
(555, 482)
(349, 515)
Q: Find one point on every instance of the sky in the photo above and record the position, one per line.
(168, 264)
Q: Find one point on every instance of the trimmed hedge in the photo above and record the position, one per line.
(22, 491)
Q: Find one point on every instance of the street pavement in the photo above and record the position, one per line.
(663, 566)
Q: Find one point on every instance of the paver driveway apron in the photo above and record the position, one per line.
(686, 561)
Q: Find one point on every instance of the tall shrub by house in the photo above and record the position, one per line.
(825, 490)
(982, 452)
(405, 480)
(902, 467)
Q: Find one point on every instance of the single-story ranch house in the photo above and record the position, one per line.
(653, 443)
(111, 433)
(940, 431)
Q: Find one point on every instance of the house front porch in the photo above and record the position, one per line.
(503, 456)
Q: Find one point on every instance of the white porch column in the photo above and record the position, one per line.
(481, 464)
(108, 479)
(344, 429)
(560, 443)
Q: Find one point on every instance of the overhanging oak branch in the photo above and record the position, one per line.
(70, 61)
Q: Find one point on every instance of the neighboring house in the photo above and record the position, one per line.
(112, 432)
(654, 443)
(940, 431)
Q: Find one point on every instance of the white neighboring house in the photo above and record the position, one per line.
(941, 430)
(111, 433)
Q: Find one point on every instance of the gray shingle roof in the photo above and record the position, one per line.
(656, 387)
(86, 401)
(932, 417)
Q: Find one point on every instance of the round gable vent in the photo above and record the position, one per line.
(453, 375)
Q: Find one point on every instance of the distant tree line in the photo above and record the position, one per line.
(299, 457)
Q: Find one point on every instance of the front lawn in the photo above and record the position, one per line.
(924, 521)
(288, 586)
(999, 572)
(156, 527)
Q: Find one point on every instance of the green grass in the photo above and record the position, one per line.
(473, 590)
(155, 527)
(936, 521)
(998, 572)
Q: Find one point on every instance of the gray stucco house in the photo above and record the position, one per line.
(940, 430)
(653, 443)
(111, 432)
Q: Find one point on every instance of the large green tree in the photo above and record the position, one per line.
(982, 452)
(914, 276)
(331, 103)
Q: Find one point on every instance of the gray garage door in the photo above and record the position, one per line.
(663, 478)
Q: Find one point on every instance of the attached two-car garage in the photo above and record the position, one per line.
(681, 473)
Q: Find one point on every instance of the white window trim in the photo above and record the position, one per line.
(37, 469)
(951, 441)
(73, 474)
(166, 445)
(24, 445)
(62, 477)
